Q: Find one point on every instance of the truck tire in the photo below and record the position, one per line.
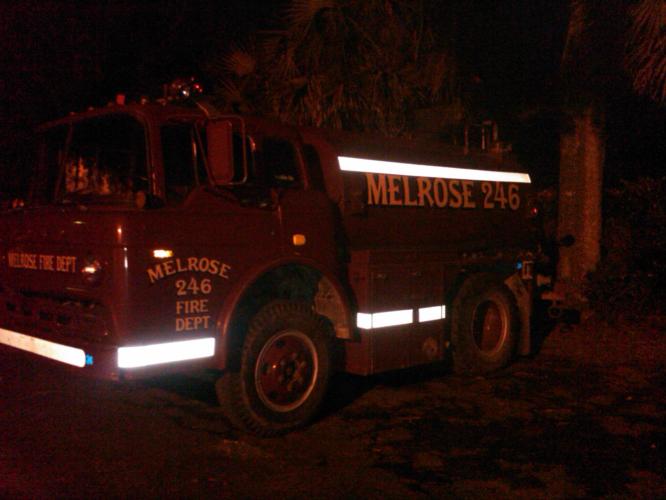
(484, 329)
(284, 371)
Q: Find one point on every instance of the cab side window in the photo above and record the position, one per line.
(313, 163)
(277, 163)
(184, 167)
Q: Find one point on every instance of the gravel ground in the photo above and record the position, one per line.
(584, 417)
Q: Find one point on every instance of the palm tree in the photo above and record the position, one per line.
(350, 64)
(599, 44)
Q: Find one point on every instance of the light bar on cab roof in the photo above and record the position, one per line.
(349, 164)
(169, 352)
(63, 353)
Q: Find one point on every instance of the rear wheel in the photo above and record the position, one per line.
(284, 371)
(484, 328)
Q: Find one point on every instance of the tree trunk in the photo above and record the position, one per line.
(581, 173)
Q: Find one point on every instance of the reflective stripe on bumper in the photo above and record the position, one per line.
(169, 352)
(59, 352)
(126, 357)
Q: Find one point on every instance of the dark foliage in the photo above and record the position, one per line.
(632, 275)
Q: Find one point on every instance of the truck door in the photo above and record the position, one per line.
(305, 213)
(210, 236)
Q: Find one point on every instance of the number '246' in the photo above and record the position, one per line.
(193, 287)
(495, 196)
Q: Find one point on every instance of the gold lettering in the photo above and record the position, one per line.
(468, 202)
(456, 196)
(65, 264)
(192, 264)
(192, 323)
(60, 263)
(22, 260)
(394, 190)
(168, 268)
(204, 264)
(424, 185)
(405, 188)
(441, 193)
(176, 266)
(31, 262)
(376, 189)
(155, 274)
(191, 306)
(47, 262)
(224, 270)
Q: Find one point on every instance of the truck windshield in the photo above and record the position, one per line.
(105, 161)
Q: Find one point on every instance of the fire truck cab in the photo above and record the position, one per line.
(163, 237)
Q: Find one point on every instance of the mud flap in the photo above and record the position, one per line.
(522, 291)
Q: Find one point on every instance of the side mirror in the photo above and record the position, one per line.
(220, 151)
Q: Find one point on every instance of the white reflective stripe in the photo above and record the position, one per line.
(368, 321)
(63, 353)
(349, 164)
(364, 321)
(392, 318)
(154, 354)
(431, 313)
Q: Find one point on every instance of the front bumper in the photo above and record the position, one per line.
(115, 362)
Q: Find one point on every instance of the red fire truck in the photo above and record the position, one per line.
(159, 236)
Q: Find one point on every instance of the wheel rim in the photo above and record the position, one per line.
(286, 371)
(490, 326)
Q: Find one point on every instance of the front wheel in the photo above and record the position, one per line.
(284, 371)
(484, 328)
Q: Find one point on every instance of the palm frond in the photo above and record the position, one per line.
(578, 22)
(230, 91)
(645, 50)
(240, 62)
(302, 13)
(357, 64)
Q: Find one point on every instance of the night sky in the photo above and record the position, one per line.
(58, 57)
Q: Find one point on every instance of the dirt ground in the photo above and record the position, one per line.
(584, 417)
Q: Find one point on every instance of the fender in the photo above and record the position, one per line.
(334, 303)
